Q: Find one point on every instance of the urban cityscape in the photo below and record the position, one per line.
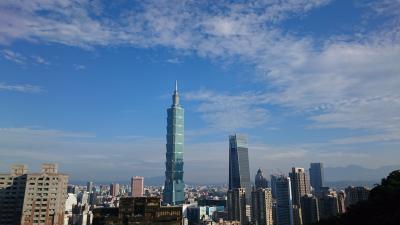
(297, 198)
(185, 112)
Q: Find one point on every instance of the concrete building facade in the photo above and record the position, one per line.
(236, 204)
(261, 213)
(137, 186)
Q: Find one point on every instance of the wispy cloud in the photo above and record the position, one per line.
(14, 56)
(230, 112)
(27, 131)
(25, 88)
(79, 67)
(21, 59)
(288, 154)
(392, 136)
(40, 60)
(174, 61)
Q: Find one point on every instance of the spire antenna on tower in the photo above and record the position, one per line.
(176, 85)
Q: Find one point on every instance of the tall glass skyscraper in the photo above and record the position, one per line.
(239, 171)
(317, 176)
(284, 209)
(174, 185)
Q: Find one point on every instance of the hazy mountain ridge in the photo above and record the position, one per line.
(357, 173)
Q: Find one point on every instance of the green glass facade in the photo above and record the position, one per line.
(174, 186)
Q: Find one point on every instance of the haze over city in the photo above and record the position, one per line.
(86, 85)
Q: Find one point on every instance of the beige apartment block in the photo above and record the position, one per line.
(33, 198)
(45, 196)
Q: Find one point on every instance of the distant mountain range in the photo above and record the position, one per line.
(358, 173)
(334, 176)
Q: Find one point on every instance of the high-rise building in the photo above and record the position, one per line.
(300, 184)
(197, 215)
(273, 186)
(309, 209)
(261, 200)
(284, 206)
(317, 176)
(114, 189)
(260, 181)
(89, 187)
(341, 201)
(237, 205)
(93, 198)
(356, 194)
(137, 186)
(80, 214)
(83, 197)
(297, 217)
(174, 186)
(328, 205)
(69, 204)
(12, 191)
(45, 196)
(239, 171)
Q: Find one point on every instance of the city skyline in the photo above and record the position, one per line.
(87, 86)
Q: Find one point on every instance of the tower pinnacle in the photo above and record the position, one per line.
(175, 96)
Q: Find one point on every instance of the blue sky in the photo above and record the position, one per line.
(86, 84)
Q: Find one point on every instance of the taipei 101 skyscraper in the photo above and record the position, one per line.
(174, 186)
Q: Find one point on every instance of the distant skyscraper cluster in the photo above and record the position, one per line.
(298, 198)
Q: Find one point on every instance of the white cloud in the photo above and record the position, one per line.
(344, 84)
(25, 88)
(230, 112)
(347, 85)
(386, 7)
